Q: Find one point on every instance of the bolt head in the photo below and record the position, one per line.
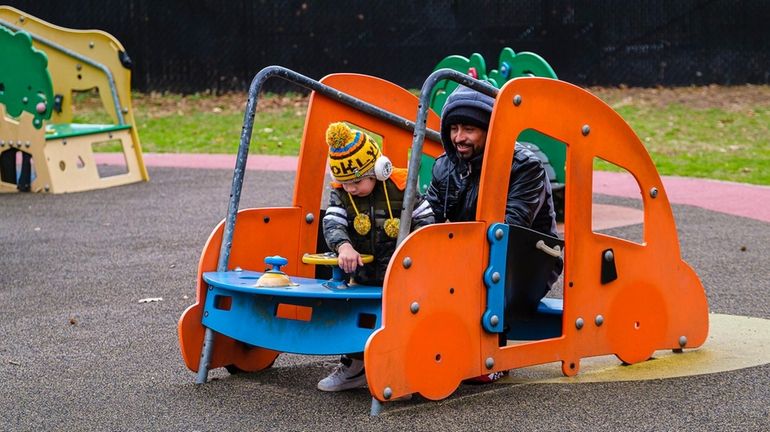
(407, 262)
(309, 218)
(489, 363)
(517, 100)
(599, 320)
(585, 130)
(682, 341)
(654, 192)
(387, 393)
(494, 320)
(609, 256)
(579, 323)
(499, 233)
(414, 307)
(495, 277)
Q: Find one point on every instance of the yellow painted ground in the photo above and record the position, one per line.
(734, 342)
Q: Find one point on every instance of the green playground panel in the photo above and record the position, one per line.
(69, 130)
(26, 86)
(510, 65)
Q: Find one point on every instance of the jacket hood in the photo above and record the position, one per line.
(464, 104)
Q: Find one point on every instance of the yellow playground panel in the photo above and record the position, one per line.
(41, 150)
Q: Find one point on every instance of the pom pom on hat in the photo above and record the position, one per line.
(352, 153)
(338, 135)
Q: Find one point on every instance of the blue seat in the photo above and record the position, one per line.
(544, 324)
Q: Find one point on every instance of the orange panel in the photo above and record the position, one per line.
(254, 238)
(657, 297)
(432, 350)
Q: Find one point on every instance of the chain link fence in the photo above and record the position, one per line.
(198, 45)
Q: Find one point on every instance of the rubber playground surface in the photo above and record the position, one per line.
(92, 285)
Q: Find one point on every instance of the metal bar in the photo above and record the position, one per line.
(376, 408)
(205, 361)
(86, 60)
(419, 137)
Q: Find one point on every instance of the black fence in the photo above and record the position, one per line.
(196, 45)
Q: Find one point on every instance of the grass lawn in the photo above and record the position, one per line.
(710, 132)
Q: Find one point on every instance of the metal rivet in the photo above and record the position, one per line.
(309, 218)
(517, 100)
(27, 144)
(495, 277)
(499, 234)
(237, 269)
(387, 393)
(579, 323)
(654, 192)
(682, 341)
(494, 320)
(78, 66)
(21, 19)
(599, 320)
(415, 307)
(90, 44)
(24, 100)
(585, 130)
(609, 256)
(206, 313)
(407, 262)
(47, 188)
(125, 110)
(489, 363)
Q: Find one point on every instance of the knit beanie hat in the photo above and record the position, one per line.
(352, 153)
(465, 106)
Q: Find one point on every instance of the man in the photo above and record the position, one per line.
(454, 189)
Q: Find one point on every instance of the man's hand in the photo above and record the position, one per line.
(348, 258)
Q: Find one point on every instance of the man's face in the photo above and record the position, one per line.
(468, 140)
(360, 188)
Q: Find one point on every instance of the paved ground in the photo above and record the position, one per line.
(79, 352)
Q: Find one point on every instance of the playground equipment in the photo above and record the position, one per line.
(510, 65)
(431, 326)
(41, 150)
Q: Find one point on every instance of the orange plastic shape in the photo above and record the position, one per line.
(657, 302)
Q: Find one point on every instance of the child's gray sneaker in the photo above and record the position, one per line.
(348, 374)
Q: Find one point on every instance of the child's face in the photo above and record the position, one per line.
(360, 188)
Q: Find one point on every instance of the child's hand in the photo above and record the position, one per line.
(348, 258)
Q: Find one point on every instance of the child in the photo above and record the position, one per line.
(363, 218)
